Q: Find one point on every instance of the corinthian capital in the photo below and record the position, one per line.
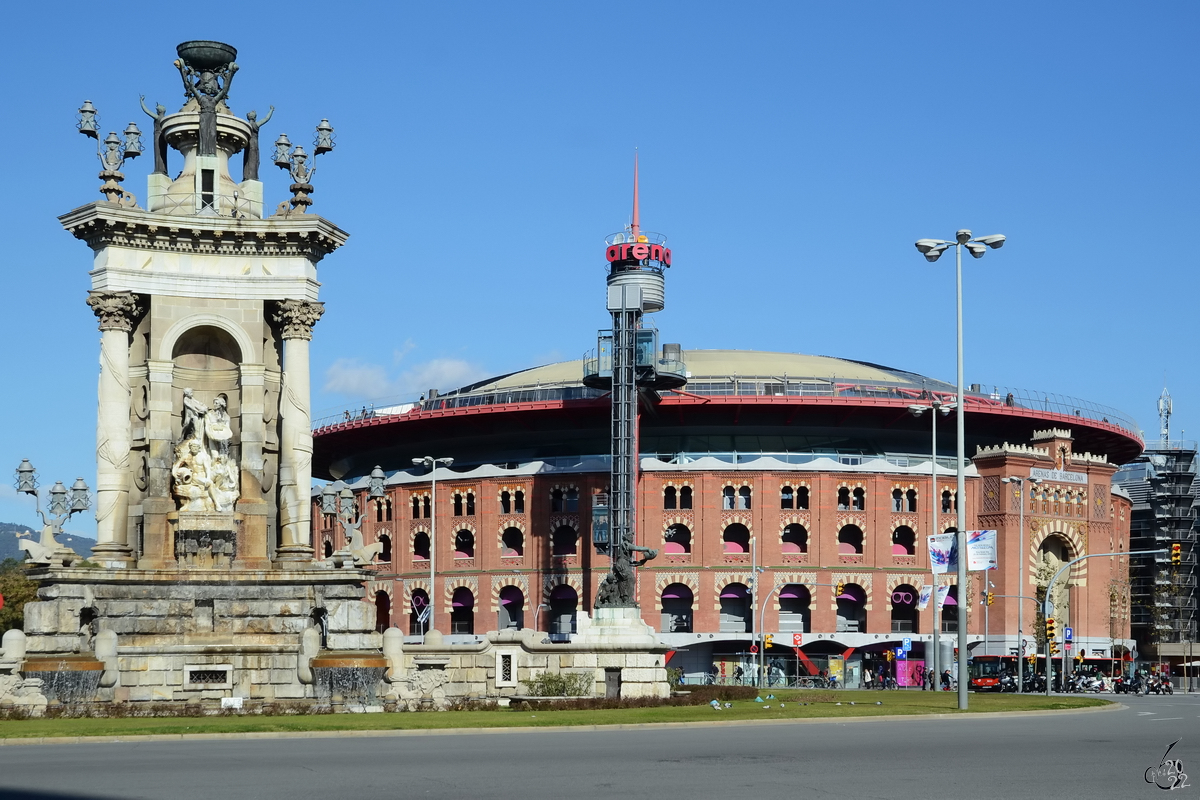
(298, 317)
(115, 310)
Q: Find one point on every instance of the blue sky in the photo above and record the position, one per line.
(792, 152)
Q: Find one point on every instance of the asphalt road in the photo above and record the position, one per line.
(1094, 755)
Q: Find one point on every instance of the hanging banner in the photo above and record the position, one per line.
(981, 550)
(923, 600)
(943, 593)
(942, 553)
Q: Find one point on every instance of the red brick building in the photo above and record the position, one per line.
(812, 469)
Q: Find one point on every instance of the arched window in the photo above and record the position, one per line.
(470, 504)
(505, 503)
(458, 504)
(860, 499)
(787, 498)
(421, 546)
(518, 502)
(904, 609)
(416, 506)
(744, 498)
(387, 509)
(852, 609)
(464, 544)
(329, 549)
(843, 499)
(727, 498)
(794, 539)
(420, 601)
(910, 498)
(512, 542)
(563, 603)
(462, 611)
(802, 497)
(383, 612)
(669, 498)
(426, 507)
(904, 541)
(897, 500)
(735, 609)
(571, 501)
(379, 510)
(950, 611)
(685, 497)
(556, 501)
(736, 538)
(564, 541)
(677, 539)
(947, 502)
(385, 555)
(676, 609)
(850, 540)
(512, 608)
(794, 609)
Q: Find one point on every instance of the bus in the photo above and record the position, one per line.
(985, 671)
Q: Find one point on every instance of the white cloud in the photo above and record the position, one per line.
(365, 381)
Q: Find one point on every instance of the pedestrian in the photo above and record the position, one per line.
(946, 681)
(882, 675)
(932, 680)
(867, 677)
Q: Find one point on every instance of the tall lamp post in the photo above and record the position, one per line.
(430, 463)
(938, 407)
(1021, 555)
(932, 249)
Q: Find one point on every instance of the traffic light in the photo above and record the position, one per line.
(1053, 647)
(1050, 632)
(1176, 555)
(1079, 656)
(888, 654)
(990, 597)
(1032, 659)
(841, 587)
(768, 640)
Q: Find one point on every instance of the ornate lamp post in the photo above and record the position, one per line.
(295, 161)
(932, 249)
(113, 152)
(61, 504)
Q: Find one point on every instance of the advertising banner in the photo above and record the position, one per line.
(943, 593)
(981, 550)
(923, 600)
(943, 553)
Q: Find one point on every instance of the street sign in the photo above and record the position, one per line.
(907, 644)
(1067, 646)
(1067, 632)
(753, 649)
(901, 652)
(797, 639)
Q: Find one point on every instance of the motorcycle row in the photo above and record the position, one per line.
(1080, 683)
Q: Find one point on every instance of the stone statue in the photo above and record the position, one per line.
(111, 157)
(160, 139)
(300, 171)
(250, 159)
(205, 476)
(1049, 565)
(208, 89)
(358, 552)
(617, 588)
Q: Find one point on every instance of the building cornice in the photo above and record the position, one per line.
(104, 224)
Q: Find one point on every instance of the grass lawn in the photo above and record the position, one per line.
(786, 705)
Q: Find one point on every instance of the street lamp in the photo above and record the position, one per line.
(430, 463)
(939, 407)
(1020, 482)
(932, 249)
(61, 504)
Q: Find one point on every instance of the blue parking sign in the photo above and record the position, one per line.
(1068, 634)
(907, 644)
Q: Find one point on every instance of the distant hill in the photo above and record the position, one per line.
(11, 533)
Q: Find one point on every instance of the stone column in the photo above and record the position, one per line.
(297, 318)
(116, 312)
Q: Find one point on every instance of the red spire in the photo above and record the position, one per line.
(636, 227)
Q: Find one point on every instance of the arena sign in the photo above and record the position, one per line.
(625, 252)
(1062, 476)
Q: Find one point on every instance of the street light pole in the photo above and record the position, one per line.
(932, 249)
(1021, 555)
(431, 464)
(936, 406)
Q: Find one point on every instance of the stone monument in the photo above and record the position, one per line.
(206, 585)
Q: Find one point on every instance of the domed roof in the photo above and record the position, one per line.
(724, 365)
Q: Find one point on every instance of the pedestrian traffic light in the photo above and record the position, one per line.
(768, 640)
(1050, 632)
(841, 587)
(1176, 555)
(989, 597)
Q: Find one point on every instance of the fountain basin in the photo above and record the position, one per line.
(70, 663)
(202, 54)
(349, 660)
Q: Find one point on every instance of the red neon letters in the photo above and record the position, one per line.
(626, 252)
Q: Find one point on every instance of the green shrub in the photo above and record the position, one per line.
(561, 684)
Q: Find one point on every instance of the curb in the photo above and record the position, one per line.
(367, 734)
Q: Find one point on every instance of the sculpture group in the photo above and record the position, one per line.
(205, 475)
